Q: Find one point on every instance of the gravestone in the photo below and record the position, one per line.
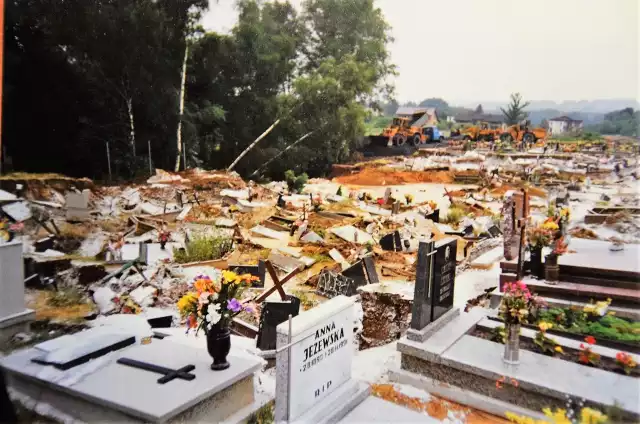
(331, 284)
(362, 273)
(273, 313)
(434, 216)
(435, 281)
(313, 365)
(78, 205)
(14, 317)
(392, 241)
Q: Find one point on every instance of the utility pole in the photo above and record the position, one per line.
(150, 167)
(108, 157)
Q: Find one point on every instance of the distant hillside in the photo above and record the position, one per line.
(589, 118)
(584, 106)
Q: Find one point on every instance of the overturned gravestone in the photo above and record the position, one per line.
(273, 313)
(313, 365)
(78, 206)
(359, 274)
(434, 216)
(435, 284)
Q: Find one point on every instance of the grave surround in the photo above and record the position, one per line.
(116, 392)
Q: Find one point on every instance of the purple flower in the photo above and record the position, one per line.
(233, 305)
(249, 309)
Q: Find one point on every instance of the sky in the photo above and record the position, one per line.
(466, 51)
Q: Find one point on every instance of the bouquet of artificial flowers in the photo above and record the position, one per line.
(214, 300)
(517, 303)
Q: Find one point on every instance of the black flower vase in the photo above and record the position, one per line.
(218, 346)
(535, 261)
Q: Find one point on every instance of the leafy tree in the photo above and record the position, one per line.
(515, 110)
(544, 124)
(479, 110)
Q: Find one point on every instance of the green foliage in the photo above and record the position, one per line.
(203, 248)
(623, 122)
(499, 334)
(295, 183)
(544, 343)
(339, 192)
(514, 112)
(576, 321)
(263, 415)
(109, 70)
(454, 216)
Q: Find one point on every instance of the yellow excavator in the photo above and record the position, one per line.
(523, 132)
(480, 132)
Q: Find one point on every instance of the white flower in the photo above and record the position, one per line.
(205, 297)
(213, 315)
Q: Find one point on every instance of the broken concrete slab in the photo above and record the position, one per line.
(77, 205)
(312, 237)
(144, 295)
(266, 232)
(5, 196)
(225, 222)
(286, 263)
(352, 234)
(375, 210)
(103, 297)
(18, 211)
(236, 194)
(93, 245)
(182, 215)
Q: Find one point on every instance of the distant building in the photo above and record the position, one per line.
(420, 116)
(564, 125)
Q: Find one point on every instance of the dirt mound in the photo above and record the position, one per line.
(382, 176)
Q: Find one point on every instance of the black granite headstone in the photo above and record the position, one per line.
(362, 273)
(392, 241)
(494, 231)
(434, 216)
(142, 253)
(255, 270)
(444, 276)
(435, 281)
(7, 411)
(272, 315)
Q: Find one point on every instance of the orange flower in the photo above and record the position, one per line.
(192, 321)
(499, 382)
(514, 382)
(590, 339)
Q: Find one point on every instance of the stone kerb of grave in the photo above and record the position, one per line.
(163, 381)
(14, 317)
(313, 365)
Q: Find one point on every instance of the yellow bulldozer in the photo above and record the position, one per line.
(480, 132)
(523, 132)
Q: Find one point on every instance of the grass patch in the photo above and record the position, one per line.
(67, 296)
(203, 248)
(608, 327)
(454, 216)
(263, 415)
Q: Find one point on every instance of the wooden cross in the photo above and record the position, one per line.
(277, 283)
(448, 194)
(169, 374)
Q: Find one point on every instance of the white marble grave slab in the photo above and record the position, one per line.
(136, 392)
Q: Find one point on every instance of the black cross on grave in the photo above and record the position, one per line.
(169, 374)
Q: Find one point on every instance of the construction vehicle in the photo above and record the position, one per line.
(406, 126)
(480, 132)
(523, 132)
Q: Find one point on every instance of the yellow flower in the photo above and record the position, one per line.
(557, 417)
(187, 303)
(522, 419)
(552, 226)
(544, 326)
(592, 416)
(229, 277)
(559, 349)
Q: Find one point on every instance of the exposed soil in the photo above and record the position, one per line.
(385, 176)
(571, 355)
(435, 407)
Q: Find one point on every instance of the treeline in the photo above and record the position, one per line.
(81, 75)
(622, 122)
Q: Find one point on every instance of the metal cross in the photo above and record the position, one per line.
(169, 374)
